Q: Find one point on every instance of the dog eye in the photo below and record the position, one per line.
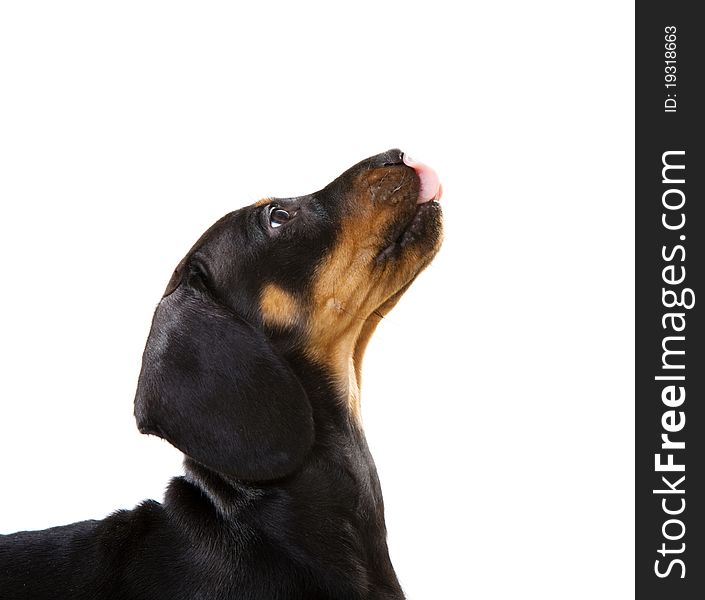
(279, 216)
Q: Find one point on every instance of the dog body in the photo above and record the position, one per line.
(252, 370)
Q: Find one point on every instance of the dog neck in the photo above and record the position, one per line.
(329, 514)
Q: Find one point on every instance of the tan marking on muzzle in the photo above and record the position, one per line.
(351, 290)
(346, 291)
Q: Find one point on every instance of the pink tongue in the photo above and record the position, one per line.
(431, 188)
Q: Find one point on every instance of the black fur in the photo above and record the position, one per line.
(280, 497)
(205, 375)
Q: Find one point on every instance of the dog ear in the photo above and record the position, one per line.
(213, 386)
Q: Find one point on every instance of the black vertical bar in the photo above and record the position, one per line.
(670, 269)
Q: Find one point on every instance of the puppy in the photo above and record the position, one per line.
(252, 370)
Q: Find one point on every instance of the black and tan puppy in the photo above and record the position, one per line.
(252, 370)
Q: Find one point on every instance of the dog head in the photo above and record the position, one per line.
(310, 276)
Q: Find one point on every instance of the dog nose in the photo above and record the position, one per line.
(389, 158)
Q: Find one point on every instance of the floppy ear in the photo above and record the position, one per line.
(214, 387)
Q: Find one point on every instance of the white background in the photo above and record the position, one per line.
(498, 396)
